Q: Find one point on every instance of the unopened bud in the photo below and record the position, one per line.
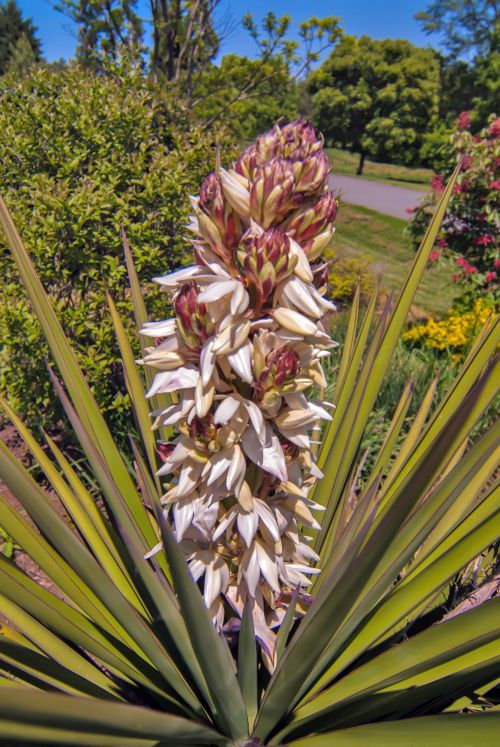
(164, 450)
(282, 366)
(315, 247)
(248, 162)
(311, 172)
(227, 222)
(320, 275)
(193, 322)
(271, 191)
(270, 144)
(266, 260)
(299, 134)
(306, 223)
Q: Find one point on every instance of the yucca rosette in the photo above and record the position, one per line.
(243, 352)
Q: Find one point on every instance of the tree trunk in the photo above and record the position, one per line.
(361, 163)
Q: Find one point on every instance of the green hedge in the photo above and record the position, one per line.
(82, 156)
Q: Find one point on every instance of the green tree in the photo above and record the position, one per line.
(17, 36)
(467, 27)
(250, 94)
(106, 28)
(254, 109)
(469, 31)
(376, 97)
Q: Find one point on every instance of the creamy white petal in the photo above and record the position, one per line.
(159, 329)
(241, 362)
(170, 381)
(247, 523)
(295, 322)
(183, 513)
(180, 276)
(226, 409)
(302, 268)
(236, 194)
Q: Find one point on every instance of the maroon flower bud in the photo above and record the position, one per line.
(248, 162)
(291, 451)
(320, 277)
(307, 223)
(282, 367)
(193, 322)
(299, 133)
(311, 171)
(164, 449)
(271, 191)
(270, 144)
(227, 222)
(265, 260)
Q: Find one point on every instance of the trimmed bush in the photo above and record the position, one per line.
(81, 157)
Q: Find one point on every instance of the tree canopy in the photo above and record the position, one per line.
(18, 37)
(376, 97)
(466, 27)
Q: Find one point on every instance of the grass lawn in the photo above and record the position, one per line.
(344, 162)
(380, 238)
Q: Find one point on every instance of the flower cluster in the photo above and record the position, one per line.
(470, 230)
(243, 351)
(455, 332)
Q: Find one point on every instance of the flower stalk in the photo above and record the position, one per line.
(244, 351)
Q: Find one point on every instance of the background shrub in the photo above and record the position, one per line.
(81, 156)
(469, 232)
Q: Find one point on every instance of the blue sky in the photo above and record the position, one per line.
(378, 18)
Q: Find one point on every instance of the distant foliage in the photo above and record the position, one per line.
(376, 97)
(82, 156)
(470, 231)
(272, 93)
(18, 37)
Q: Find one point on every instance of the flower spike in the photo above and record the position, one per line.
(243, 351)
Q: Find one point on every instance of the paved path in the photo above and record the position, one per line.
(384, 198)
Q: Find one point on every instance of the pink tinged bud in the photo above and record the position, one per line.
(305, 224)
(266, 260)
(270, 144)
(281, 367)
(164, 450)
(193, 323)
(320, 274)
(300, 132)
(271, 191)
(248, 162)
(226, 221)
(315, 247)
(311, 173)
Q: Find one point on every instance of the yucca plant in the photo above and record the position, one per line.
(184, 612)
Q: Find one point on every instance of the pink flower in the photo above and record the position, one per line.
(490, 276)
(409, 210)
(494, 130)
(456, 278)
(463, 121)
(496, 264)
(495, 184)
(437, 183)
(484, 240)
(461, 262)
(442, 243)
(467, 162)
(434, 255)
